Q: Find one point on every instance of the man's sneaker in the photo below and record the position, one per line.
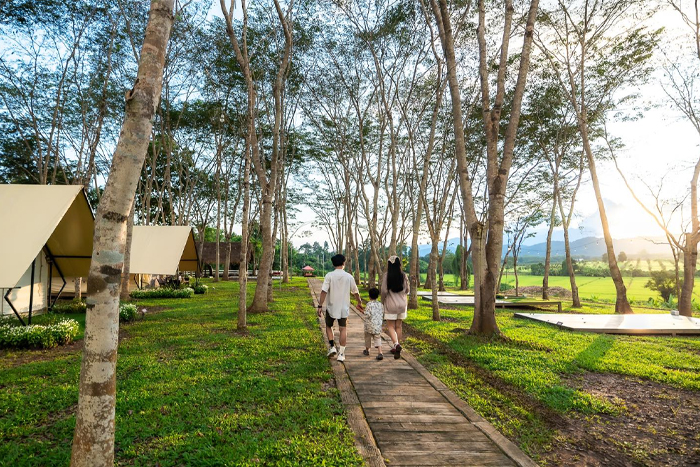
(397, 354)
(341, 357)
(365, 352)
(331, 352)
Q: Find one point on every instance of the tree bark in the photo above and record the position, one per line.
(548, 253)
(124, 293)
(243, 260)
(93, 441)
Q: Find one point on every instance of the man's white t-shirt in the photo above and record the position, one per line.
(338, 286)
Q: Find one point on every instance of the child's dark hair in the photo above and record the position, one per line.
(374, 293)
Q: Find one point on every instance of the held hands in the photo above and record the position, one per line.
(360, 307)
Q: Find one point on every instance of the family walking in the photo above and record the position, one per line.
(337, 288)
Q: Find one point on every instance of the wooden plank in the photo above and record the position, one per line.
(443, 459)
(455, 417)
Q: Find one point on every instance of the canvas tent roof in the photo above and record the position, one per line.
(33, 216)
(162, 249)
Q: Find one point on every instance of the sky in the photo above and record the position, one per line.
(658, 144)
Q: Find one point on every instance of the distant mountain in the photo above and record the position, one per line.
(587, 247)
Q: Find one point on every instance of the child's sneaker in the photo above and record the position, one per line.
(380, 357)
(331, 352)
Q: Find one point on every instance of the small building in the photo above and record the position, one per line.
(208, 255)
(162, 250)
(46, 237)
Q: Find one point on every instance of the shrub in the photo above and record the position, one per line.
(200, 288)
(39, 336)
(127, 312)
(74, 306)
(663, 282)
(163, 293)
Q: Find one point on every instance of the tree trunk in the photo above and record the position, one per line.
(576, 301)
(93, 441)
(431, 276)
(243, 260)
(124, 294)
(690, 262)
(622, 305)
(690, 255)
(414, 268)
(548, 253)
(227, 262)
(78, 288)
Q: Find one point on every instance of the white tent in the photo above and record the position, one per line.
(46, 236)
(158, 249)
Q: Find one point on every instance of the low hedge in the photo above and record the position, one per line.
(39, 336)
(163, 293)
(200, 288)
(74, 306)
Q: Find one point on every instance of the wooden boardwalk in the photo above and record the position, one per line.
(414, 419)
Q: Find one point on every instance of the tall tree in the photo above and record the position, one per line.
(595, 49)
(487, 238)
(260, 162)
(93, 442)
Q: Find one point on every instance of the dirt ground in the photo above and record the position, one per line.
(659, 427)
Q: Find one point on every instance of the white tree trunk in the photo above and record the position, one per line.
(93, 442)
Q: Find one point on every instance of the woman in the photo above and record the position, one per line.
(394, 297)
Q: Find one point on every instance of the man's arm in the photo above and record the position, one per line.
(321, 299)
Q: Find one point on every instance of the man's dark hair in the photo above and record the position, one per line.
(373, 293)
(338, 260)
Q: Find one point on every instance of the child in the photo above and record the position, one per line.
(374, 312)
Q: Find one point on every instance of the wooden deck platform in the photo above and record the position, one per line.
(410, 417)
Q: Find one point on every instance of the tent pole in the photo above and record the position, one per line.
(60, 273)
(7, 299)
(31, 292)
(48, 295)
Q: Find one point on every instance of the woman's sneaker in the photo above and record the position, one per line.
(331, 352)
(341, 357)
(397, 353)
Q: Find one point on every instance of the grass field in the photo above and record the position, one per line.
(191, 390)
(590, 288)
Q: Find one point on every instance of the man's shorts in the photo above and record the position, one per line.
(329, 321)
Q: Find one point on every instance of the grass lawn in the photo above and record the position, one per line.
(191, 390)
(523, 382)
(589, 288)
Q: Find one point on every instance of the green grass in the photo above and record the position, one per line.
(191, 390)
(589, 288)
(535, 361)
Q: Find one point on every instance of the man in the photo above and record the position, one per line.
(337, 287)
